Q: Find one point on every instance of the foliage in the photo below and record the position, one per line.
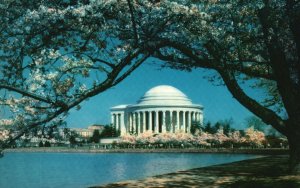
(247, 43)
(72, 140)
(96, 136)
(4, 134)
(256, 123)
(252, 138)
(71, 136)
(225, 125)
(276, 142)
(109, 131)
(56, 54)
(195, 127)
(41, 144)
(47, 144)
(208, 127)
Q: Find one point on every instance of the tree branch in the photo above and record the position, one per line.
(29, 127)
(279, 64)
(292, 11)
(258, 70)
(110, 81)
(132, 68)
(26, 93)
(136, 37)
(267, 115)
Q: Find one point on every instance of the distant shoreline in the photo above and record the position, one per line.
(264, 151)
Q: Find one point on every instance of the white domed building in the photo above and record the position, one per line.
(162, 109)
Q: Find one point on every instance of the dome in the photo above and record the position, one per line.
(164, 95)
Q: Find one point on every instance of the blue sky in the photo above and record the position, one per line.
(217, 101)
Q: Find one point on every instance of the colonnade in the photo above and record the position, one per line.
(158, 121)
(117, 120)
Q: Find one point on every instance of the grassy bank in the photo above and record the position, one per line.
(269, 151)
(264, 172)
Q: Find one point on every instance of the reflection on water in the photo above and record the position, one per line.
(82, 169)
(119, 170)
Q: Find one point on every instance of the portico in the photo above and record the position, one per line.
(162, 109)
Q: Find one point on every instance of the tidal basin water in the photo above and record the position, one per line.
(74, 170)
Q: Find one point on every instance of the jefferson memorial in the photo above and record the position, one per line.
(162, 109)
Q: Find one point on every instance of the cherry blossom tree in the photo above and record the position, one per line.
(54, 45)
(258, 41)
(145, 137)
(254, 137)
(253, 42)
(220, 137)
(56, 54)
(128, 139)
(204, 139)
(235, 137)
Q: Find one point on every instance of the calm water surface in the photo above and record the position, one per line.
(35, 170)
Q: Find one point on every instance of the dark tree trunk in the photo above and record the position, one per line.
(294, 144)
(294, 162)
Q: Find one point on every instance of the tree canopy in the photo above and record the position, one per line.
(56, 54)
(54, 47)
(255, 41)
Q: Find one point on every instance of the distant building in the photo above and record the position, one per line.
(162, 109)
(88, 132)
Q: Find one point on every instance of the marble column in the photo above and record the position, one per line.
(193, 116)
(201, 118)
(150, 121)
(184, 122)
(123, 129)
(112, 119)
(177, 121)
(133, 122)
(117, 122)
(156, 122)
(138, 127)
(144, 121)
(130, 122)
(189, 122)
(171, 122)
(164, 122)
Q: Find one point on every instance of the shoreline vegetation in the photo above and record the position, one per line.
(262, 151)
